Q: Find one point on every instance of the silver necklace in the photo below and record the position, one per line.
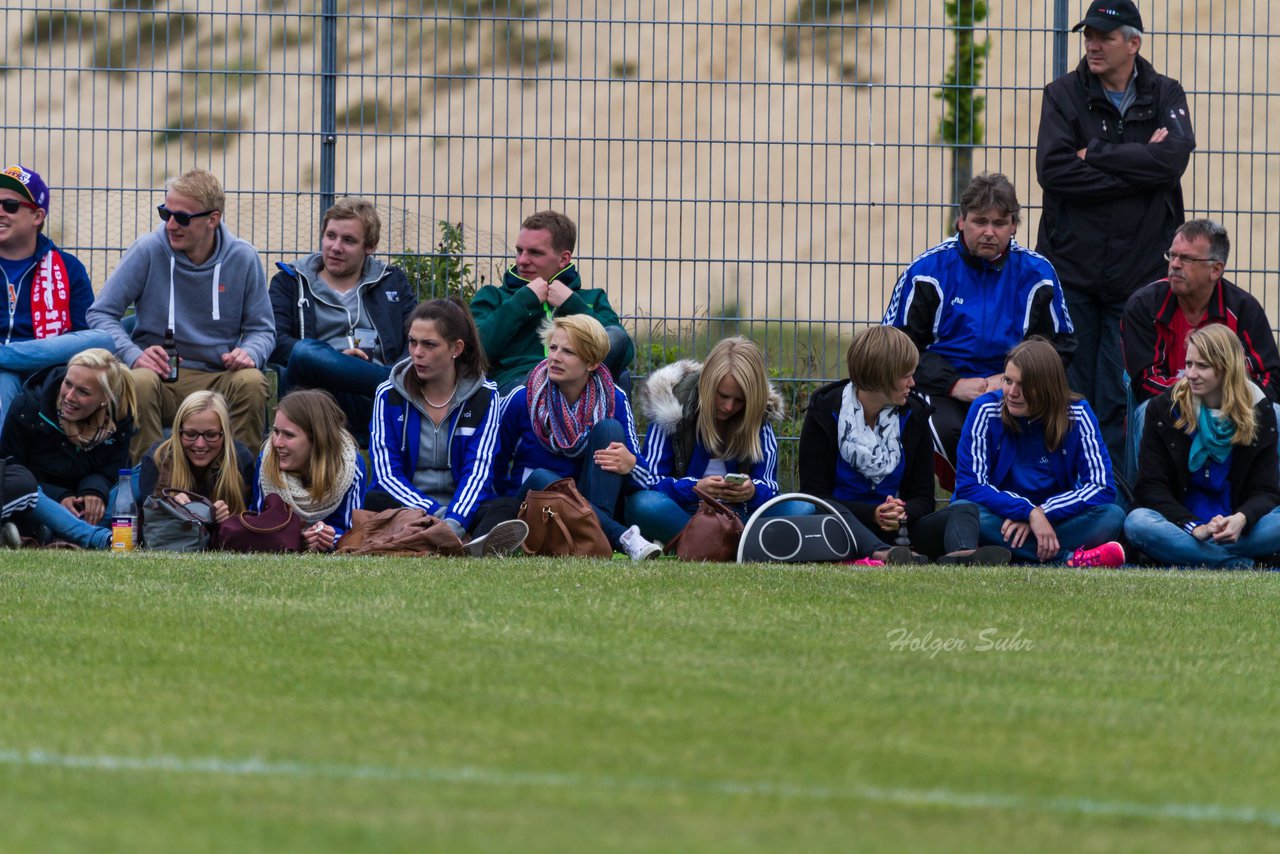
(441, 405)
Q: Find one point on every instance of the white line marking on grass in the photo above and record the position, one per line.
(486, 777)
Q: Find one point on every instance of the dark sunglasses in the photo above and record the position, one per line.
(184, 219)
(12, 206)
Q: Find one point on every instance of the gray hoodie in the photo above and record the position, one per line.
(434, 474)
(217, 306)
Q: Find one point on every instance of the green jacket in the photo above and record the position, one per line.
(508, 318)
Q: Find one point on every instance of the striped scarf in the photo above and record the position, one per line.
(563, 429)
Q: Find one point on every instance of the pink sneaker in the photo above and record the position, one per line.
(1107, 554)
(865, 561)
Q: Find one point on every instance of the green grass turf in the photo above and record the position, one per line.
(264, 704)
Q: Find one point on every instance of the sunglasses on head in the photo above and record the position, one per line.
(184, 219)
(12, 206)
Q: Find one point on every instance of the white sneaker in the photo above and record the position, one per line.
(501, 541)
(637, 547)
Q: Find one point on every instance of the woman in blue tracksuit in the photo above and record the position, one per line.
(709, 427)
(314, 464)
(570, 420)
(1034, 462)
(435, 428)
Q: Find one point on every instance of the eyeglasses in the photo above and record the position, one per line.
(1186, 259)
(12, 206)
(192, 436)
(184, 219)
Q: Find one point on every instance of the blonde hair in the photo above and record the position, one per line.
(586, 336)
(739, 439)
(1220, 347)
(879, 357)
(362, 210)
(201, 186)
(116, 379)
(230, 486)
(317, 414)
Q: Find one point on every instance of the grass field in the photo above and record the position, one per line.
(334, 704)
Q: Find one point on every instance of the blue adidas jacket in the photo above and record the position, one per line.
(1077, 476)
(658, 459)
(473, 431)
(965, 313)
(520, 452)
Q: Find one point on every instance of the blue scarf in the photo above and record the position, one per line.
(1212, 439)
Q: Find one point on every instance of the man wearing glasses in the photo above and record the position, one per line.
(193, 280)
(1159, 317)
(47, 290)
(1115, 137)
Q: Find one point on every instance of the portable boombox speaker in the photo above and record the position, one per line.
(821, 536)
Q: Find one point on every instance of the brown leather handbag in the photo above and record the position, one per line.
(399, 531)
(711, 535)
(562, 522)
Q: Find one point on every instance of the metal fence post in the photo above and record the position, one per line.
(328, 103)
(1059, 38)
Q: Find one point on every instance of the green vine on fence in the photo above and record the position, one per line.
(961, 125)
(444, 272)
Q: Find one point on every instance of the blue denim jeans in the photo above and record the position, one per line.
(21, 359)
(63, 524)
(1093, 527)
(1166, 543)
(599, 487)
(660, 517)
(351, 380)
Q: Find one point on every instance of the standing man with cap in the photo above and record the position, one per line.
(1115, 138)
(47, 290)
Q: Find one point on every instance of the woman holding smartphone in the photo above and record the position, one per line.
(710, 427)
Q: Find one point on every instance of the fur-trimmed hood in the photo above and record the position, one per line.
(670, 389)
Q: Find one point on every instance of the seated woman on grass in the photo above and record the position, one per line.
(710, 427)
(569, 420)
(1032, 458)
(866, 446)
(434, 428)
(72, 431)
(313, 463)
(201, 456)
(1207, 491)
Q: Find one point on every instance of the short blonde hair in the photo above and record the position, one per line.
(116, 379)
(200, 186)
(879, 357)
(586, 336)
(362, 210)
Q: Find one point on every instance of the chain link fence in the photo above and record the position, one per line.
(764, 166)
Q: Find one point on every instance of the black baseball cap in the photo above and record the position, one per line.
(1108, 15)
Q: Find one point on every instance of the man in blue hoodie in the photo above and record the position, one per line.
(193, 280)
(340, 313)
(47, 289)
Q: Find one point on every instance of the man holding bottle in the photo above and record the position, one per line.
(200, 291)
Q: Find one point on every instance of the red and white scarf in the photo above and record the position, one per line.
(50, 297)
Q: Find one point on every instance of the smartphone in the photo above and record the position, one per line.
(735, 479)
